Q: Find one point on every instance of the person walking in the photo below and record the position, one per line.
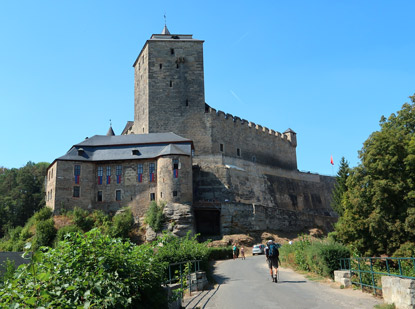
(235, 251)
(242, 253)
(272, 257)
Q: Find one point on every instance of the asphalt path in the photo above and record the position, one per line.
(247, 284)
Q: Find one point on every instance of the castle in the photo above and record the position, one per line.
(230, 174)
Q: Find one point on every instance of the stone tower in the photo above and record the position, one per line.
(169, 91)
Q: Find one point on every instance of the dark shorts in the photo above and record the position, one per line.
(272, 262)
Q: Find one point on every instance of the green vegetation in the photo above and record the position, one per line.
(21, 194)
(318, 256)
(97, 270)
(340, 187)
(155, 217)
(379, 211)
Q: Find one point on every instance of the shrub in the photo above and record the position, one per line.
(43, 214)
(82, 219)
(62, 232)
(45, 233)
(122, 224)
(9, 271)
(220, 253)
(89, 270)
(154, 216)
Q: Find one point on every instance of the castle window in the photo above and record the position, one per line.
(100, 173)
(171, 83)
(140, 172)
(161, 194)
(108, 175)
(161, 66)
(175, 168)
(221, 147)
(152, 172)
(171, 51)
(238, 152)
(99, 196)
(152, 196)
(76, 191)
(174, 193)
(118, 172)
(187, 102)
(253, 159)
(77, 173)
(177, 65)
(118, 195)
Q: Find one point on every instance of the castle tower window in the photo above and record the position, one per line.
(152, 172)
(77, 173)
(187, 102)
(118, 195)
(161, 66)
(175, 168)
(177, 65)
(118, 172)
(171, 83)
(99, 196)
(171, 51)
(174, 193)
(108, 175)
(238, 152)
(76, 191)
(161, 194)
(152, 196)
(221, 147)
(100, 173)
(140, 172)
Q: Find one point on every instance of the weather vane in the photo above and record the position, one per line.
(165, 19)
(110, 123)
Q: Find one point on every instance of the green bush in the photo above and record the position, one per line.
(122, 224)
(154, 216)
(67, 230)
(9, 271)
(43, 214)
(89, 270)
(45, 233)
(220, 253)
(82, 219)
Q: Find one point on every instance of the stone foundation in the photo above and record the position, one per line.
(399, 291)
(342, 277)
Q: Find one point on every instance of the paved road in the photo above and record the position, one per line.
(247, 284)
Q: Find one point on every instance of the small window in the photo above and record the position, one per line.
(118, 195)
(161, 66)
(161, 194)
(253, 159)
(108, 175)
(187, 102)
(77, 173)
(221, 147)
(238, 152)
(140, 172)
(152, 171)
(99, 196)
(177, 65)
(100, 173)
(171, 83)
(174, 193)
(171, 51)
(76, 191)
(152, 196)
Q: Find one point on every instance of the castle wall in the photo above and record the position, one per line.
(288, 194)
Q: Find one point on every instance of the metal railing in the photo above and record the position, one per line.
(370, 269)
(176, 270)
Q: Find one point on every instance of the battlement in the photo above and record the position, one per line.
(220, 115)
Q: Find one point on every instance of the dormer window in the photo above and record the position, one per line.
(81, 151)
(135, 152)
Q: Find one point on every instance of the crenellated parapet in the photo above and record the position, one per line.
(220, 116)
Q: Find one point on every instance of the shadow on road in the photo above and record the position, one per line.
(302, 281)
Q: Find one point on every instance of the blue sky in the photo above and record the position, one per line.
(326, 69)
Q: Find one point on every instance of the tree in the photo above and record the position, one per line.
(22, 193)
(340, 187)
(379, 206)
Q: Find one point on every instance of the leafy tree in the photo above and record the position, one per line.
(154, 216)
(22, 193)
(379, 206)
(340, 187)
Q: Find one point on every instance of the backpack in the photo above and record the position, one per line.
(273, 251)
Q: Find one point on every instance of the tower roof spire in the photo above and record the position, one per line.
(165, 30)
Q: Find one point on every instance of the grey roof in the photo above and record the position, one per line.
(165, 30)
(127, 127)
(110, 132)
(289, 130)
(129, 147)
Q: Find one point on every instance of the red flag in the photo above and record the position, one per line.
(331, 160)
